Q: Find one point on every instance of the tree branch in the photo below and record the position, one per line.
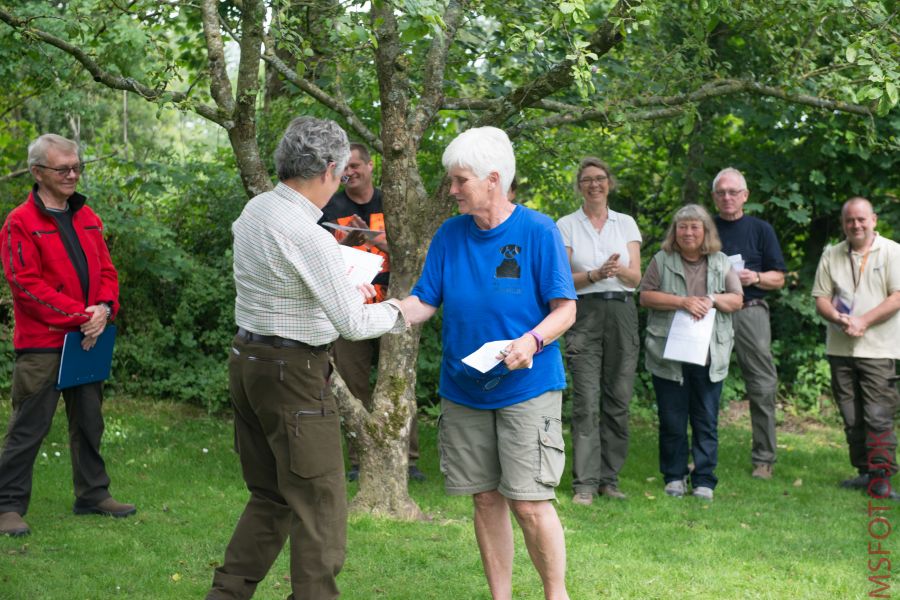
(560, 76)
(668, 106)
(219, 84)
(105, 77)
(434, 67)
(322, 96)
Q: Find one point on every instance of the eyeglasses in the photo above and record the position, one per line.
(64, 171)
(589, 180)
(724, 193)
(345, 178)
(491, 379)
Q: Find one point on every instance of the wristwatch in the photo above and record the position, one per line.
(712, 299)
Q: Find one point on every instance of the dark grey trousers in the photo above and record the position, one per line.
(34, 401)
(867, 398)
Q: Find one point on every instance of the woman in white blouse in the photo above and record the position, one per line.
(604, 249)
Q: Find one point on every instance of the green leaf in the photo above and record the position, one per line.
(891, 90)
(851, 54)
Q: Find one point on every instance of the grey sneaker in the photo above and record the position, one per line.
(702, 492)
(675, 488)
(583, 498)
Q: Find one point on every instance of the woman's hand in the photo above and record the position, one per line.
(518, 355)
(697, 306)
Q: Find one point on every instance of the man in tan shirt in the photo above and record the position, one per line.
(857, 289)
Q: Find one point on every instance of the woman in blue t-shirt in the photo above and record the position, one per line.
(502, 275)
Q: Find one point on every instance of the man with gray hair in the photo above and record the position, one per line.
(754, 251)
(62, 280)
(857, 290)
(293, 300)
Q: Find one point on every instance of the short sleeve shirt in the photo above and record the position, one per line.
(695, 278)
(590, 248)
(495, 284)
(877, 278)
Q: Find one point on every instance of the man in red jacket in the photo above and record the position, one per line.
(62, 279)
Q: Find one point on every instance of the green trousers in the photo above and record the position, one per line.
(602, 355)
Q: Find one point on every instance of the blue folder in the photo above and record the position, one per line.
(78, 367)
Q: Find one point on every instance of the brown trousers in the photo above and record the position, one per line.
(288, 437)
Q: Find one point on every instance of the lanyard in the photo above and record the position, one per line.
(862, 266)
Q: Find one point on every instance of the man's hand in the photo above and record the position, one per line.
(748, 277)
(95, 325)
(853, 326)
(367, 290)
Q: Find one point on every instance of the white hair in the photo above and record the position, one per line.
(729, 171)
(483, 150)
(37, 150)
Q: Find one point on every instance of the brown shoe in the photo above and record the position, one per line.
(762, 471)
(583, 498)
(109, 507)
(612, 491)
(11, 524)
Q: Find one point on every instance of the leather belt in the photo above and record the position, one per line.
(620, 296)
(276, 341)
(755, 302)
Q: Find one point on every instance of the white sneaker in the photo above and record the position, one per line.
(704, 493)
(675, 488)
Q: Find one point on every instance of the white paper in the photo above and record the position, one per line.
(737, 261)
(370, 233)
(485, 358)
(362, 267)
(689, 339)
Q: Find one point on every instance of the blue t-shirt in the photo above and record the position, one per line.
(496, 285)
(755, 241)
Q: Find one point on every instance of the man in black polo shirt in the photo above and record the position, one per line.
(753, 247)
(359, 205)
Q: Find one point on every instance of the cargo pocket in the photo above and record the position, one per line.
(552, 459)
(314, 438)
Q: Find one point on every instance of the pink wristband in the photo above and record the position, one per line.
(538, 339)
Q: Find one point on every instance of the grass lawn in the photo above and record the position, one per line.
(797, 536)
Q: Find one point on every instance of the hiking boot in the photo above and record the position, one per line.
(762, 471)
(109, 508)
(880, 486)
(12, 524)
(583, 498)
(415, 474)
(612, 491)
(860, 482)
(675, 488)
(702, 492)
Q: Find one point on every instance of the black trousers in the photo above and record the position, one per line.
(288, 436)
(34, 402)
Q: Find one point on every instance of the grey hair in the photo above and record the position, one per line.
(593, 161)
(37, 150)
(483, 150)
(729, 171)
(308, 145)
(693, 212)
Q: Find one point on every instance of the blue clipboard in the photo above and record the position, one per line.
(78, 367)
